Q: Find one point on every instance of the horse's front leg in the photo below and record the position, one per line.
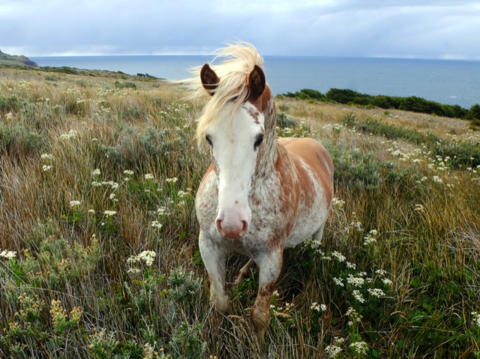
(214, 259)
(270, 265)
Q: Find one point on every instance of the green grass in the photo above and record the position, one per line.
(79, 286)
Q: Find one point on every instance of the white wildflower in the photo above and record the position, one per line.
(172, 180)
(376, 292)
(148, 176)
(156, 224)
(358, 296)
(332, 350)
(370, 237)
(96, 172)
(91, 211)
(381, 272)
(476, 319)
(148, 257)
(419, 208)
(337, 203)
(133, 270)
(437, 179)
(8, 254)
(182, 194)
(359, 347)
(128, 172)
(351, 265)
(338, 281)
(358, 226)
(70, 134)
(339, 256)
(386, 281)
(356, 281)
(112, 196)
(110, 213)
(74, 203)
(46, 156)
(46, 168)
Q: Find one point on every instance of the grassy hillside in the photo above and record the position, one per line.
(13, 60)
(99, 251)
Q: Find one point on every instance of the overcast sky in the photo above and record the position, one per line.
(442, 29)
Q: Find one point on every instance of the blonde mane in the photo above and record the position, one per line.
(239, 60)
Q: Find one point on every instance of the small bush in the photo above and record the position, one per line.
(354, 169)
(187, 343)
(131, 114)
(11, 103)
(125, 85)
(183, 286)
(21, 139)
(284, 120)
(475, 125)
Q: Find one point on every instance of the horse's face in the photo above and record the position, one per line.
(235, 142)
(235, 146)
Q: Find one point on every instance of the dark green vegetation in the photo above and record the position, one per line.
(77, 219)
(13, 60)
(412, 103)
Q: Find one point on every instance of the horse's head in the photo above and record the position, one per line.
(236, 138)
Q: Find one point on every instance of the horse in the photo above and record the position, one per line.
(259, 195)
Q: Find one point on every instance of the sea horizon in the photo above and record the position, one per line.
(453, 82)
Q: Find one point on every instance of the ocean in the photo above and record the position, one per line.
(454, 82)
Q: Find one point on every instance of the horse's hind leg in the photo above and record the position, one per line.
(317, 236)
(243, 273)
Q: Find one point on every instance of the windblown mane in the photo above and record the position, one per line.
(239, 60)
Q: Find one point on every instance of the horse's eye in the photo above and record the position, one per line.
(209, 140)
(258, 141)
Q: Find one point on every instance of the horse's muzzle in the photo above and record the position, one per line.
(234, 230)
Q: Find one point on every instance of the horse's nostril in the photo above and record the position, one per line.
(219, 224)
(245, 226)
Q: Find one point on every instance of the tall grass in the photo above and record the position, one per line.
(402, 238)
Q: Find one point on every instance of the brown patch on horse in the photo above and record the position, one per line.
(290, 194)
(261, 103)
(319, 161)
(254, 115)
(209, 79)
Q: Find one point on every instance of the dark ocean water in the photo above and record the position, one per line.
(445, 81)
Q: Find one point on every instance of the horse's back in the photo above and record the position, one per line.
(315, 171)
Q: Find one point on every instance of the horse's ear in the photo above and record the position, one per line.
(256, 82)
(209, 79)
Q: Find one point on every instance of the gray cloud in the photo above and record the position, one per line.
(386, 28)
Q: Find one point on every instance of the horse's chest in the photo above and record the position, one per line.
(272, 215)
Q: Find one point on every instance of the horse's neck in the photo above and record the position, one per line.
(268, 152)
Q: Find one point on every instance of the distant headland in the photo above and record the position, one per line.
(6, 59)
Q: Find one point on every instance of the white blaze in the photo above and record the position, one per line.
(236, 158)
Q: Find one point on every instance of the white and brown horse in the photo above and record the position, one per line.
(260, 195)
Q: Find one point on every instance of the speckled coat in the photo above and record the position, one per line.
(289, 197)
